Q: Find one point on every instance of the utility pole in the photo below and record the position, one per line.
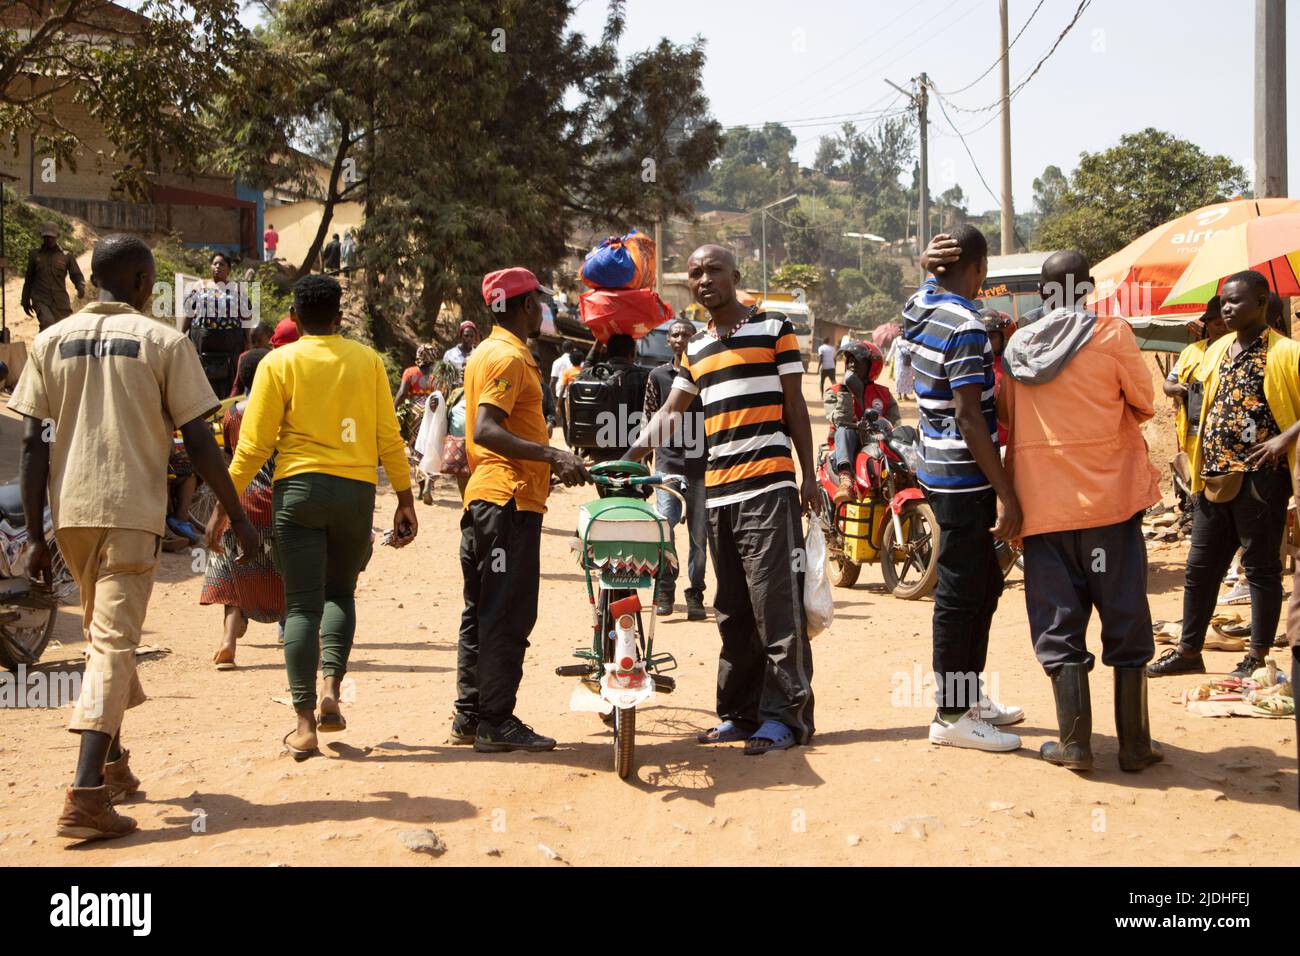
(919, 103)
(659, 257)
(1270, 98)
(763, 216)
(1008, 209)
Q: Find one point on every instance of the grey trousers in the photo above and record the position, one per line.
(765, 667)
(1068, 573)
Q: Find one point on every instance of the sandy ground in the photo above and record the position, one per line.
(869, 790)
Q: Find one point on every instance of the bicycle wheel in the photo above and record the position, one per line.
(624, 740)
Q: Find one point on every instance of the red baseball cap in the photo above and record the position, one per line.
(508, 283)
(285, 332)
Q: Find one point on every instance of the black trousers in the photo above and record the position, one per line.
(970, 583)
(500, 558)
(826, 373)
(765, 667)
(1255, 521)
(1068, 573)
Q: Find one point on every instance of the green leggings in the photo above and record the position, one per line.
(322, 542)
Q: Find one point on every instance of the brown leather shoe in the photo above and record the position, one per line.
(119, 779)
(844, 493)
(88, 814)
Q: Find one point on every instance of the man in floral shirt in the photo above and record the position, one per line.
(1241, 482)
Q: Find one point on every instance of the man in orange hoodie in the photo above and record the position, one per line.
(1076, 394)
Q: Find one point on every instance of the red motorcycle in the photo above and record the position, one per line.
(888, 519)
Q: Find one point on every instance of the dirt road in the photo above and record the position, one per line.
(870, 789)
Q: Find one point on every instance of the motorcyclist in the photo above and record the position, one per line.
(846, 403)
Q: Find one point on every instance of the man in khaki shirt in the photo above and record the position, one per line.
(102, 393)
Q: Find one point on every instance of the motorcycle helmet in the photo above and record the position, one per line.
(865, 351)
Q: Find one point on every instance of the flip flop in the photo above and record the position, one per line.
(330, 723)
(295, 753)
(725, 733)
(773, 735)
(222, 665)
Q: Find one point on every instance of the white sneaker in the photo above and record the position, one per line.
(972, 732)
(1238, 594)
(998, 715)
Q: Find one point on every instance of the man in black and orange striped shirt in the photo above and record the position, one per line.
(746, 369)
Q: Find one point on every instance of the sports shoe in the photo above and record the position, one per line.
(1171, 662)
(998, 715)
(464, 729)
(510, 734)
(971, 732)
(1249, 664)
(695, 605)
(1239, 593)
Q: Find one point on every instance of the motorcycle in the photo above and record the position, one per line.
(27, 609)
(623, 542)
(888, 518)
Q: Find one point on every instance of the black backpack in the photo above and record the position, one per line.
(602, 395)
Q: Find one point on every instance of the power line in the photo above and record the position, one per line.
(850, 78)
(995, 63)
(996, 198)
(1083, 5)
(853, 49)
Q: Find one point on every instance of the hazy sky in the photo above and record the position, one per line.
(1185, 66)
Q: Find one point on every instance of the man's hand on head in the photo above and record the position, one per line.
(942, 251)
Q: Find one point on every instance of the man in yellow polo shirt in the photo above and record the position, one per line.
(510, 463)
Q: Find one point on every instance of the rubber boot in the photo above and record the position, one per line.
(1137, 750)
(1074, 716)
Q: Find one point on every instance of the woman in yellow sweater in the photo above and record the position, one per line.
(324, 406)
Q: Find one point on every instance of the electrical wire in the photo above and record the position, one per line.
(1083, 5)
(978, 172)
(1005, 53)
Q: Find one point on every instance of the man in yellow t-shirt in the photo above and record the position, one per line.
(1186, 381)
(510, 463)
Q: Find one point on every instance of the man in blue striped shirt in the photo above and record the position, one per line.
(971, 495)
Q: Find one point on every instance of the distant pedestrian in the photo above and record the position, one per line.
(459, 353)
(270, 240)
(45, 285)
(215, 313)
(826, 357)
(348, 250)
(331, 255)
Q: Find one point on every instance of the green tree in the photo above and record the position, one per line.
(795, 275)
(145, 76)
(1148, 178)
(477, 136)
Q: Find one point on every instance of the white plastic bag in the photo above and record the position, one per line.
(818, 601)
(433, 429)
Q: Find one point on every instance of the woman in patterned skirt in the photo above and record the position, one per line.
(249, 590)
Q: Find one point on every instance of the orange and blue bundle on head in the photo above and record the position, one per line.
(620, 262)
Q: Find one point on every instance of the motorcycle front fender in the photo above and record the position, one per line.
(900, 500)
